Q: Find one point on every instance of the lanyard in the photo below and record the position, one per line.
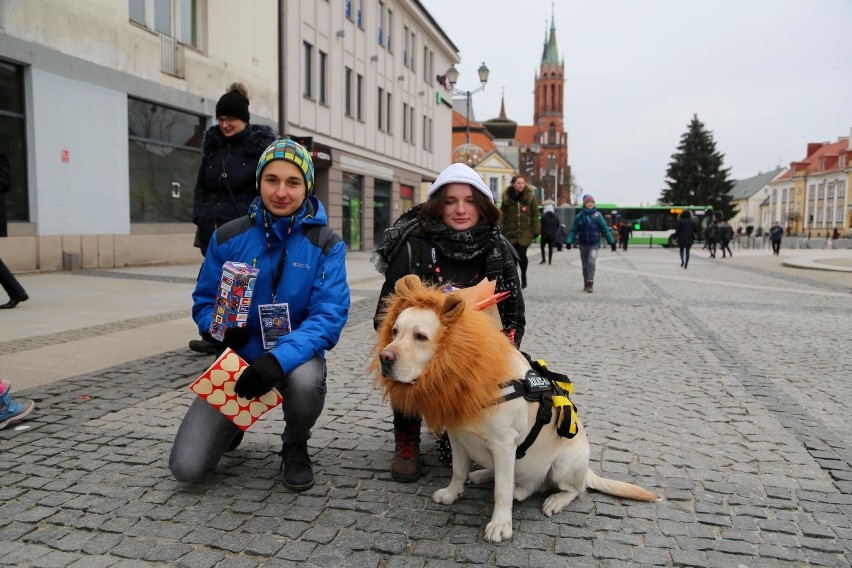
(276, 276)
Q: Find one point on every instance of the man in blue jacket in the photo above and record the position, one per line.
(302, 273)
(588, 226)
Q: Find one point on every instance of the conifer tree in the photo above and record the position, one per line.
(696, 175)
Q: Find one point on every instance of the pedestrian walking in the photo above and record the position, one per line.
(711, 237)
(453, 239)
(685, 235)
(775, 235)
(520, 222)
(561, 236)
(726, 234)
(225, 185)
(549, 226)
(587, 228)
(625, 231)
(10, 284)
(302, 272)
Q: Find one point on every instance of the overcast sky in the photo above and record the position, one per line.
(764, 76)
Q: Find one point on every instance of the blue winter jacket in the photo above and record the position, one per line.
(313, 280)
(587, 228)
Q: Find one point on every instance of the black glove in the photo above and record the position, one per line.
(612, 246)
(568, 246)
(236, 337)
(259, 377)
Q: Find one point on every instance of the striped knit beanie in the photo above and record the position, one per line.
(286, 149)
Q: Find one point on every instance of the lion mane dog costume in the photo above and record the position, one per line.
(439, 358)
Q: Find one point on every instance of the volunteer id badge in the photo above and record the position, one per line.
(274, 323)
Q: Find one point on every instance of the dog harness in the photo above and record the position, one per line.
(551, 391)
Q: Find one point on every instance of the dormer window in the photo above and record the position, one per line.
(841, 161)
(822, 164)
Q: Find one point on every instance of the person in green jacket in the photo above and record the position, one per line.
(520, 221)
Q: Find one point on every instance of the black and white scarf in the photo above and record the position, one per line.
(459, 245)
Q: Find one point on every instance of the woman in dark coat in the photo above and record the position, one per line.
(225, 187)
(685, 235)
(10, 284)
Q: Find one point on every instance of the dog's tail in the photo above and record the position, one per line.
(617, 488)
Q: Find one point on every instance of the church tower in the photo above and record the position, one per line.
(551, 171)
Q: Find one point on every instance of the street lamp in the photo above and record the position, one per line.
(453, 77)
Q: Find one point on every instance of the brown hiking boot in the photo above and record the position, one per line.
(406, 463)
(588, 286)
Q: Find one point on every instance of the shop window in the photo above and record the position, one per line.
(165, 154)
(13, 140)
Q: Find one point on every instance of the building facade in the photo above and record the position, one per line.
(814, 197)
(103, 105)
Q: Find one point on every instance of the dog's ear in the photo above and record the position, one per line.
(408, 284)
(453, 307)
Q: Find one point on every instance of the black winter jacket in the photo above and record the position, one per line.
(228, 163)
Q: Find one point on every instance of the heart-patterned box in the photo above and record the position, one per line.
(216, 386)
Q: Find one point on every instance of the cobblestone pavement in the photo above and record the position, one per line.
(725, 388)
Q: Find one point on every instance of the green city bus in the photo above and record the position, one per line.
(654, 224)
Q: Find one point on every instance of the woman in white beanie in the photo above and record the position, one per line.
(452, 239)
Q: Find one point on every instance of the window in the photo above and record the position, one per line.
(389, 109)
(13, 139)
(307, 78)
(390, 30)
(405, 128)
(360, 19)
(380, 23)
(359, 93)
(413, 47)
(164, 153)
(323, 77)
(405, 46)
(381, 113)
(347, 9)
(174, 18)
(492, 185)
(347, 91)
(411, 123)
(425, 140)
(426, 64)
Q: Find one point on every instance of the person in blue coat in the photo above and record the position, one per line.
(303, 272)
(588, 226)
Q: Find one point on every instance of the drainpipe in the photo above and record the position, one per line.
(282, 57)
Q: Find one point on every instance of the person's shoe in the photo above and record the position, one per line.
(296, 463)
(14, 302)
(406, 462)
(588, 287)
(202, 346)
(12, 411)
(523, 282)
(542, 261)
(235, 443)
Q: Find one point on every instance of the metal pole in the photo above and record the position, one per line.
(467, 133)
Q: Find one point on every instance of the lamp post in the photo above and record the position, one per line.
(453, 77)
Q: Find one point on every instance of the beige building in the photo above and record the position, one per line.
(103, 105)
(814, 197)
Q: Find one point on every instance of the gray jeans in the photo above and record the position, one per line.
(205, 433)
(588, 256)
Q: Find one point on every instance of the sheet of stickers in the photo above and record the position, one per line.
(216, 386)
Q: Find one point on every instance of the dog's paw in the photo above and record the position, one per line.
(496, 531)
(480, 476)
(446, 496)
(556, 502)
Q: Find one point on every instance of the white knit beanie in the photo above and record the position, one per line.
(459, 173)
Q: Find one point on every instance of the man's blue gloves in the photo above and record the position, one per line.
(259, 377)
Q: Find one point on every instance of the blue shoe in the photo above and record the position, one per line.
(13, 411)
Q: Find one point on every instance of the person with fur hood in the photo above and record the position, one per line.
(225, 186)
(520, 221)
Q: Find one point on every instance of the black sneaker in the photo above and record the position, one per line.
(202, 346)
(296, 463)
